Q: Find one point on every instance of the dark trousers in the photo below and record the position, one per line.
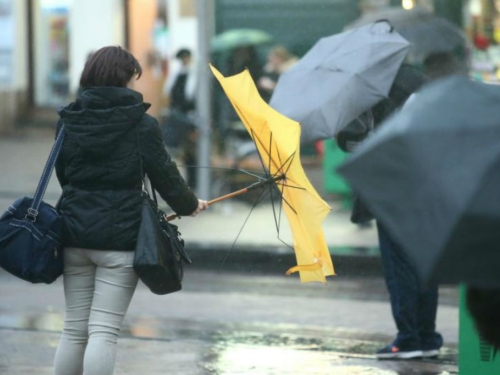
(414, 307)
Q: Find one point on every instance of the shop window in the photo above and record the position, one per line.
(482, 24)
(51, 38)
(6, 42)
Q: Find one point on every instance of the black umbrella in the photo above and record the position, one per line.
(426, 32)
(431, 175)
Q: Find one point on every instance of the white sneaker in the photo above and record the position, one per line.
(430, 353)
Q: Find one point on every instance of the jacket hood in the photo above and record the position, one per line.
(100, 116)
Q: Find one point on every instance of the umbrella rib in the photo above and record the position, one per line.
(254, 136)
(257, 201)
(285, 173)
(293, 187)
(270, 159)
(282, 166)
(279, 225)
(288, 204)
(281, 211)
(270, 150)
(292, 156)
(258, 153)
(274, 210)
(252, 133)
(284, 243)
(278, 151)
(250, 173)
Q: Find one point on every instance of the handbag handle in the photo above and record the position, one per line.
(32, 213)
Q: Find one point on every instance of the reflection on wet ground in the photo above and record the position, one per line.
(259, 359)
(228, 323)
(261, 348)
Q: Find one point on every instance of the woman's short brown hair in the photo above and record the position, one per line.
(110, 66)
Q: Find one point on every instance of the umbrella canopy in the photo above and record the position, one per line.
(339, 78)
(278, 142)
(426, 32)
(238, 38)
(431, 175)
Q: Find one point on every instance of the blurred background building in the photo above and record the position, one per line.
(44, 43)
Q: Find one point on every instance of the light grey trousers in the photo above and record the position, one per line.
(98, 288)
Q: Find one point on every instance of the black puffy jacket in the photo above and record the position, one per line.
(107, 128)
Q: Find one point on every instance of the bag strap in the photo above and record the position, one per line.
(44, 180)
(143, 174)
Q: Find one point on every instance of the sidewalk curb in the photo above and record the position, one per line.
(348, 261)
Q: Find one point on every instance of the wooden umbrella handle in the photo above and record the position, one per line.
(256, 185)
(213, 201)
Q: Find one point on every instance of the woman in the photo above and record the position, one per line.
(109, 139)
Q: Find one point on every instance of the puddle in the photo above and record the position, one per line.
(259, 349)
(256, 359)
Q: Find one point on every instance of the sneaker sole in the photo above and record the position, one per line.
(430, 353)
(400, 355)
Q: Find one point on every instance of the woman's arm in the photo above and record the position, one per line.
(162, 171)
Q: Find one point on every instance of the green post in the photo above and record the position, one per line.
(334, 183)
(476, 357)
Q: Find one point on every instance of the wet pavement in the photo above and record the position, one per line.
(226, 323)
(28, 352)
(247, 319)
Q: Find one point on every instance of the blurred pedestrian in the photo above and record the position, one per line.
(109, 140)
(442, 64)
(181, 83)
(414, 307)
(279, 60)
(180, 132)
(244, 57)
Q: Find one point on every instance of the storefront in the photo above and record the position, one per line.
(13, 63)
(482, 25)
(6, 42)
(50, 38)
(62, 34)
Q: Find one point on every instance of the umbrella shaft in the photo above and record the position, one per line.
(263, 183)
(259, 184)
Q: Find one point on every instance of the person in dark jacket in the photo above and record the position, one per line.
(108, 136)
(414, 308)
(180, 129)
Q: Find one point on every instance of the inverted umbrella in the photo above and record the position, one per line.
(277, 139)
(341, 77)
(431, 175)
(426, 32)
(238, 38)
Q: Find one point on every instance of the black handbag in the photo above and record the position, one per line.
(159, 253)
(30, 232)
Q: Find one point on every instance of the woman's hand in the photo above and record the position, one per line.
(202, 206)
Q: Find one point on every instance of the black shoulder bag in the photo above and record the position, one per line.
(159, 253)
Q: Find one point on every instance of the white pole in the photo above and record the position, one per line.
(205, 14)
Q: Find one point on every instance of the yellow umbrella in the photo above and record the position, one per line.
(278, 142)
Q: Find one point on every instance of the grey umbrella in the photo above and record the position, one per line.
(426, 32)
(339, 78)
(431, 175)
